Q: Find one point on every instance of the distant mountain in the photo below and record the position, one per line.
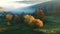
(29, 9)
(51, 7)
(48, 7)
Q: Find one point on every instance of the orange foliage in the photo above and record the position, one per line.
(38, 23)
(2, 29)
(9, 17)
(30, 20)
(40, 12)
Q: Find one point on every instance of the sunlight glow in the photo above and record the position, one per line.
(11, 4)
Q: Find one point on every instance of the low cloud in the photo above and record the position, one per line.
(32, 1)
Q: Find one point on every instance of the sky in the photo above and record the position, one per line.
(19, 3)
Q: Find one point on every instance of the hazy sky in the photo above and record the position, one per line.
(19, 3)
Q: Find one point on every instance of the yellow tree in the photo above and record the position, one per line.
(9, 18)
(30, 20)
(40, 14)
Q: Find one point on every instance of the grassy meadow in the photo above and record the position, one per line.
(52, 26)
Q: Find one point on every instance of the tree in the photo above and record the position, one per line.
(40, 14)
(30, 20)
(9, 18)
